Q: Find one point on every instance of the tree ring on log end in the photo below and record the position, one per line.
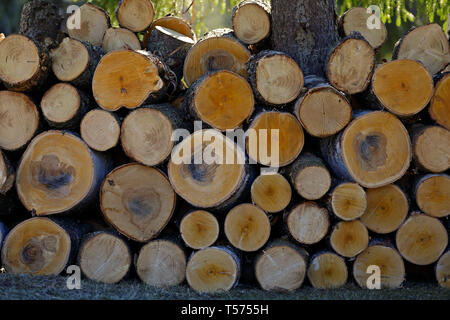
(199, 229)
(69, 60)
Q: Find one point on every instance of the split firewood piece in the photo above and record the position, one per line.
(93, 23)
(443, 270)
(58, 172)
(357, 19)
(199, 229)
(427, 44)
(374, 150)
(147, 132)
(275, 133)
(120, 39)
(171, 22)
(104, 257)
(247, 227)
(7, 174)
(271, 192)
(309, 176)
(63, 106)
(275, 77)
(302, 217)
(387, 208)
(322, 110)
(251, 21)
(350, 65)
(327, 270)
(137, 200)
(24, 63)
(213, 269)
(100, 129)
(440, 103)
(389, 262)
(281, 266)
(422, 239)
(215, 181)
(114, 86)
(432, 194)
(19, 121)
(217, 50)
(222, 99)
(74, 61)
(135, 15)
(349, 238)
(348, 201)
(161, 263)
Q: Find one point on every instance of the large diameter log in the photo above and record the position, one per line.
(440, 103)
(100, 129)
(137, 200)
(348, 201)
(104, 257)
(222, 99)
(213, 269)
(421, 239)
(135, 15)
(251, 21)
(432, 194)
(271, 192)
(443, 270)
(327, 270)
(120, 39)
(392, 268)
(114, 86)
(275, 77)
(427, 44)
(281, 266)
(19, 121)
(374, 150)
(161, 263)
(94, 21)
(349, 238)
(24, 63)
(387, 208)
(199, 229)
(217, 50)
(247, 227)
(7, 174)
(58, 172)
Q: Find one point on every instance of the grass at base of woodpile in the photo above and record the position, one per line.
(21, 287)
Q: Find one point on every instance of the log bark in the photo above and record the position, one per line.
(432, 194)
(135, 15)
(348, 201)
(7, 174)
(327, 270)
(199, 229)
(120, 39)
(94, 21)
(251, 21)
(439, 109)
(271, 192)
(349, 238)
(100, 129)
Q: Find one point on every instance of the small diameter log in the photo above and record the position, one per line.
(214, 181)
(387, 208)
(322, 110)
(217, 50)
(327, 270)
(135, 15)
(137, 200)
(7, 174)
(357, 20)
(348, 201)
(281, 266)
(302, 217)
(199, 229)
(349, 238)
(171, 22)
(431, 148)
(222, 99)
(275, 133)
(74, 61)
(392, 268)
(251, 21)
(427, 44)
(247, 227)
(404, 87)
(214, 269)
(19, 121)
(161, 263)
(432, 194)
(440, 103)
(114, 86)
(94, 21)
(421, 239)
(24, 63)
(100, 129)
(443, 270)
(374, 150)
(120, 39)
(63, 106)
(275, 77)
(104, 257)
(58, 172)
(271, 192)
(146, 133)
(309, 176)
(350, 65)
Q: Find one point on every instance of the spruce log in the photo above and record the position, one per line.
(348, 201)
(349, 238)
(7, 174)
(440, 103)
(100, 129)
(94, 21)
(443, 270)
(120, 39)
(135, 15)
(432, 194)
(199, 229)
(271, 192)
(171, 22)
(251, 21)
(327, 270)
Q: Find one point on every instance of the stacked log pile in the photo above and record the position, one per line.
(90, 173)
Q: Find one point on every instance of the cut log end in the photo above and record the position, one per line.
(120, 39)
(170, 22)
(7, 176)
(61, 103)
(431, 149)
(271, 192)
(69, 60)
(443, 270)
(349, 238)
(327, 271)
(433, 195)
(312, 182)
(100, 130)
(94, 22)
(302, 217)
(199, 229)
(440, 104)
(135, 15)
(251, 22)
(349, 201)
